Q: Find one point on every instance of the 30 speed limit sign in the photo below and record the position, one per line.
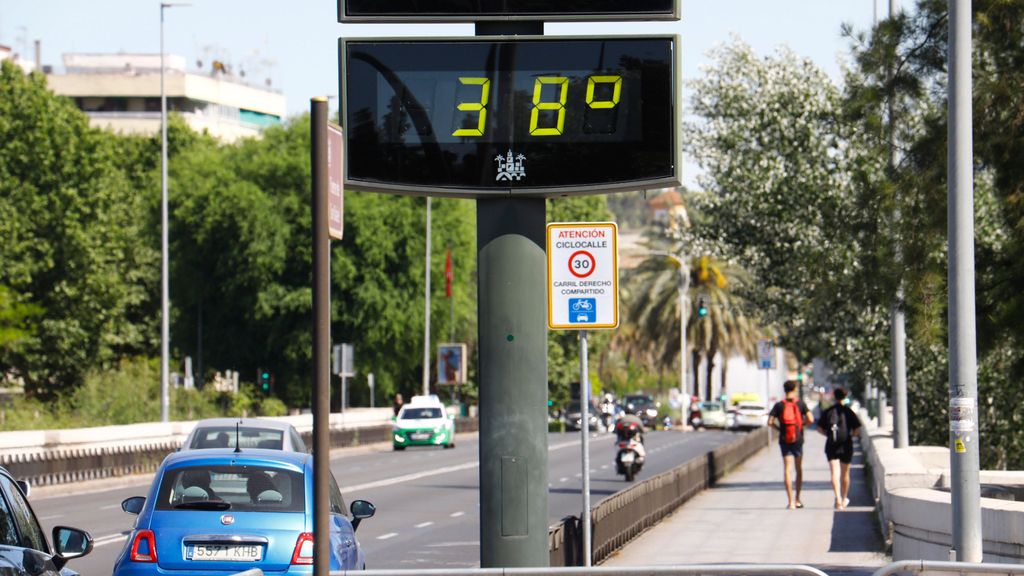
(583, 275)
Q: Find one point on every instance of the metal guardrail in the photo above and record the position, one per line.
(923, 566)
(63, 465)
(918, 566)
(682, 570)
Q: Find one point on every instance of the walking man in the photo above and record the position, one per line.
(789, 417)
(839, 424)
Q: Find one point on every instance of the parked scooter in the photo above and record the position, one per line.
(630, 456)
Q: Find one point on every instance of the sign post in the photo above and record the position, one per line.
(583, 293)
(766, 362)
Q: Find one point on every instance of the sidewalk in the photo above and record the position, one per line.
(744, 519)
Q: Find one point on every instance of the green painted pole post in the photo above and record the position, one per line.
(513, 382)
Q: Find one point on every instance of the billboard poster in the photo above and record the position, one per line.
(451, 364)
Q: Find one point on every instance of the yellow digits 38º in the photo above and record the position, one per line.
(481, 106)
(557, 104)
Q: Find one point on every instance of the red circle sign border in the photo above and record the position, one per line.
(593, 263)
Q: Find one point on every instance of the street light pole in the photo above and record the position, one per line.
(165, 291)
(426, 312)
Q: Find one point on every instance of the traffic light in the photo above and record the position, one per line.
(702, 306)
(266, 381)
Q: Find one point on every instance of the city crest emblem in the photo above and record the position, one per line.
(509, 167)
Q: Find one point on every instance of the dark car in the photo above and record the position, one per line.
(23, 548)
(218, 511)
(574, 419)
(642, 406)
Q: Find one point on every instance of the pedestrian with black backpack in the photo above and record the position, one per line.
(789, 417)
(839, 424)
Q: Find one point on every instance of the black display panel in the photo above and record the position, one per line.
(465, 10)
(529, 116)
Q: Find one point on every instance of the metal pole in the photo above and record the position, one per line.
(585, 443)
(513, 382)
(321, 341)
(897, 313)
(165, 290)
(426, 311)
(684, 314)
(767, 395)
(963, 362)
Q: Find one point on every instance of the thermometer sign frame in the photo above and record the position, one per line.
(583, 275)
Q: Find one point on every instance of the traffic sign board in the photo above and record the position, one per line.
(583, 275)
(766, 354)
(335, 182)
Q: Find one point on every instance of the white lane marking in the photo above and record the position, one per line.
(110, 506)
(452, 544)
(456, 514)
(563, 479)
(410, 477)
(51, 517)
(605, 467)
(109, 539)
(424, 524)
(388, 535)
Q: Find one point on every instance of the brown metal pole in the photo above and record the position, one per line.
(321, 340)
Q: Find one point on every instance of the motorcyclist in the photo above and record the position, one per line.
(631, 427)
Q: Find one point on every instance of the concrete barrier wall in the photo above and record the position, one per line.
(914, 504)
(50, 457)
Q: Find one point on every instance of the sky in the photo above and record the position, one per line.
(294, 43)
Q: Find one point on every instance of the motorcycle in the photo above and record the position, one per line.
(629, 458)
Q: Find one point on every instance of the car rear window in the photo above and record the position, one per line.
(224, 437)
(242, 488)
(420, 413)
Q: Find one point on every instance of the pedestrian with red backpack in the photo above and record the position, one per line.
(789, 417)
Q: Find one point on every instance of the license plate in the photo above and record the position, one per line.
(226, 552)
(419, 435)
(628, 457)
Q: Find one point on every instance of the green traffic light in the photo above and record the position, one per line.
(702, 311)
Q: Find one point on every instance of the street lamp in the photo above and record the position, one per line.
(683, 286)
(165, 292)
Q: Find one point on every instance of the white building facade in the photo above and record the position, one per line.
(121, 92)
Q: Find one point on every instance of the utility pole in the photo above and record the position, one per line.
(897, 313)
(426, 311)
(964, 465)
(165, 284)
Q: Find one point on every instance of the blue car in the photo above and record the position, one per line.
(219, 512)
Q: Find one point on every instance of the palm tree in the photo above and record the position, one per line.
(652, 305)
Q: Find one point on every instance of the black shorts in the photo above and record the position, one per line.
(842, 451)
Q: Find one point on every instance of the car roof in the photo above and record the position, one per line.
(244, 423)
(228, 456)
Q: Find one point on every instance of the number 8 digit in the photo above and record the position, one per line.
(563, 86)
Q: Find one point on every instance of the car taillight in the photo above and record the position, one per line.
(303, 549)
(144, 546)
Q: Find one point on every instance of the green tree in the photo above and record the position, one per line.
(73, 245)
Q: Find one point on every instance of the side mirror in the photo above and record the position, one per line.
(24, 487)
(70, 543)
(361, 509)
(133, 505)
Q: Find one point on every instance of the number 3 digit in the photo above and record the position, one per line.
(481, 106)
